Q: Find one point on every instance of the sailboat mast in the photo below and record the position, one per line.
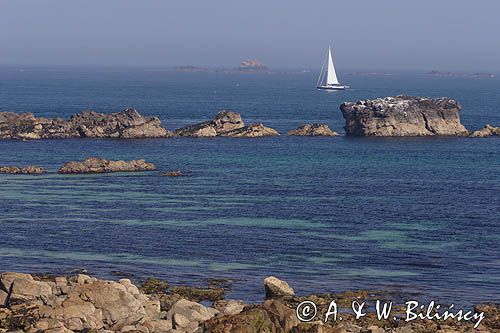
(321, 73)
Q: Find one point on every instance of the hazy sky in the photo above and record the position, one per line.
(365, 34)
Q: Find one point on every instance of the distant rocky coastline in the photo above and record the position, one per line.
(389, 116)
(81, 303)
(477, 75)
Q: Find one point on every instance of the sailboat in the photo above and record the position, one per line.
(327, 77)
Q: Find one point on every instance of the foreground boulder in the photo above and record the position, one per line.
(226, 123)
(30, 169)
(99, 165)
(487, 130)
(313, 130)
(87, 124)
(76, 304)
(403, 116)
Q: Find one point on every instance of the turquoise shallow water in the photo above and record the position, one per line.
(326, 214)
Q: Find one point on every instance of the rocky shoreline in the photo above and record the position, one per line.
(81, 303)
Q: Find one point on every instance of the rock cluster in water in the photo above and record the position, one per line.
(313, 130)
(486, 131)
(127, 124)
(403, 116)
(30, 169)
(226, 123)
(81, 303)
(100, 165)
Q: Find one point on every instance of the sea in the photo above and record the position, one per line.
(415, 216)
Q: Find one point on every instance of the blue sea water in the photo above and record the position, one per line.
(419, 215)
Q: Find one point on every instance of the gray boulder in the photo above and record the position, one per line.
(276, 288)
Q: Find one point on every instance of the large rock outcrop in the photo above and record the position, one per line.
(252, 131)
(226, 123)
(403, 116)
(127, 124)
(313, 130)
(100, 165)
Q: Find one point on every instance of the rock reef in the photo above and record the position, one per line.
(226, 123)
(403, 116)
(30, 169)
(99, 165)
(486, 131)
(81, 303)
(313, 130)
(128, 124)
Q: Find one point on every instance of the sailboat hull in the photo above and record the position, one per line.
(332, 87)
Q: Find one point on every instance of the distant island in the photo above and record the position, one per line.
(246, 66)
(370, 74)
(194, 69)
(457, 74)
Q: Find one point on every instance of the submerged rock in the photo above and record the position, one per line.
(30, 169)
(313, 130)
(87, 124)
(271, 316)
(198, 294)
(176, 173)
(403, 116)
(487, 130)
(99, 165)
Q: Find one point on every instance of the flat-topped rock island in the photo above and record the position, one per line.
(403, 116)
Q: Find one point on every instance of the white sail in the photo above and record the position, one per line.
(331, 76)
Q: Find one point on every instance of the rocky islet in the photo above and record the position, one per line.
(389, 116)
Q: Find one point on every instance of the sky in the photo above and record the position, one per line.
(365, 34)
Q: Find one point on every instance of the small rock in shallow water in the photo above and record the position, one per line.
(313, 130)
(177, 173)
(30, 169)
(99, 165)
(277, 288)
